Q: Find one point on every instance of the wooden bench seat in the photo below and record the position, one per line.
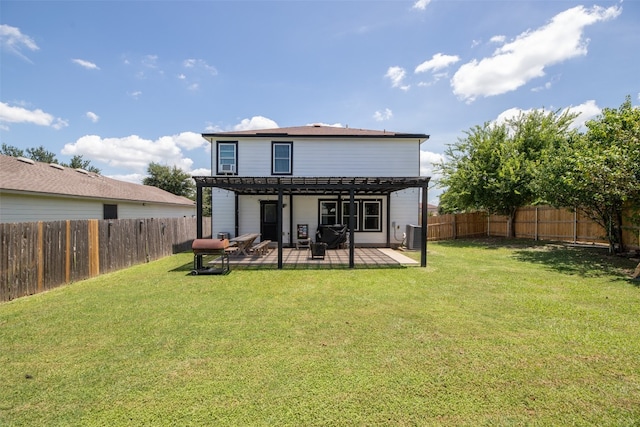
(261, 248)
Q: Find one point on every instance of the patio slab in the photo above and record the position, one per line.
(334, 258)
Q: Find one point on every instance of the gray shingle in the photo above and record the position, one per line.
(20, 176)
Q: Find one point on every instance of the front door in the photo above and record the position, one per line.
(269, 220)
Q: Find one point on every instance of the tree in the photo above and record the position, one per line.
(77, 162)
(597, 173)
(492, 168)
(170, 179)
(41, 154)
(10, 150)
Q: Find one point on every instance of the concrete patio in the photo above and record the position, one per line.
(334, 258)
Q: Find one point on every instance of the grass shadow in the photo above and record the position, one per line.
(584, 261)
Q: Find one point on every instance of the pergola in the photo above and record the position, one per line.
(292, 186)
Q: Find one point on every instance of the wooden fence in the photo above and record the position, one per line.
(37, 256)
(533, 222)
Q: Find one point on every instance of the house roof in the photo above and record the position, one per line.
(311, 185)
(26, 176)
(315, 131)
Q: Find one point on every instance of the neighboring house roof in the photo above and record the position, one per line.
(317, 131)
(20, 175)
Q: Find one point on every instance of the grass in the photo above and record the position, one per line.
(492, 332)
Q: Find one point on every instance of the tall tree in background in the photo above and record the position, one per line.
(597, 173)
(492, 168)
(10, 150)
(77, 162)
(41, 154)
(170, 179)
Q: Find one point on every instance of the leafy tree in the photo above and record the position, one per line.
(206, 201)
(597, 173)
(492, 168)
(41, 154)
(77, 162)
(10, 150)
(170, 179)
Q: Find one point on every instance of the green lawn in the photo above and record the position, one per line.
(492, 332)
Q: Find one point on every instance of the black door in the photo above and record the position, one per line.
(269, 220)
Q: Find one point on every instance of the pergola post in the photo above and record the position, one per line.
(279, 227)
(423, 229)
(199, 211)
(352, 226)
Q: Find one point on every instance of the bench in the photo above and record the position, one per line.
(261, 248)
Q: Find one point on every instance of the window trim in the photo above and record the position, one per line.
(219, 170)
(337, 207)
(360, 216)
(274, 144)
(365, 216)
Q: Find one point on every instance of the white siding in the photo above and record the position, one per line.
(222, 212)
(30, 208)
(366, 157)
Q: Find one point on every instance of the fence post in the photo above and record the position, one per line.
(488, 224)
(455, 226)
(94, 248)
(535, 237)
(575, 225)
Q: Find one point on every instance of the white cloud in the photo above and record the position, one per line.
(135, 95)
(85, 64)
(421, 4)
(525, 58)
(92, 116)
(133, 153)
(397, 75)
(428, 160)
(334, 125)
(201, 172)
(437, 62)
(12, 39)
(588, 110)
(38, 117)
(380, 116)
(200, 64)
(498, 39)
(254, 123)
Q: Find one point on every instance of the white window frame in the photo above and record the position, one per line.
(365, 216)
(226, 167)
(289, 158)
(323, 203)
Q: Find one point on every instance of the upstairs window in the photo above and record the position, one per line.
(227, 158)
(282, 158)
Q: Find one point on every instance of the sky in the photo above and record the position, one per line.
(126, 83)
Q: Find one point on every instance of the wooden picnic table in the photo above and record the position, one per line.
(244, 242)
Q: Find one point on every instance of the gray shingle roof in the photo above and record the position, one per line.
(318, 131)
(36, 177)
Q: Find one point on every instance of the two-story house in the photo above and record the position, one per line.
(285, 183)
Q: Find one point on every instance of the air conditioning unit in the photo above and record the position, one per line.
(414, 237)
(227, 169)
